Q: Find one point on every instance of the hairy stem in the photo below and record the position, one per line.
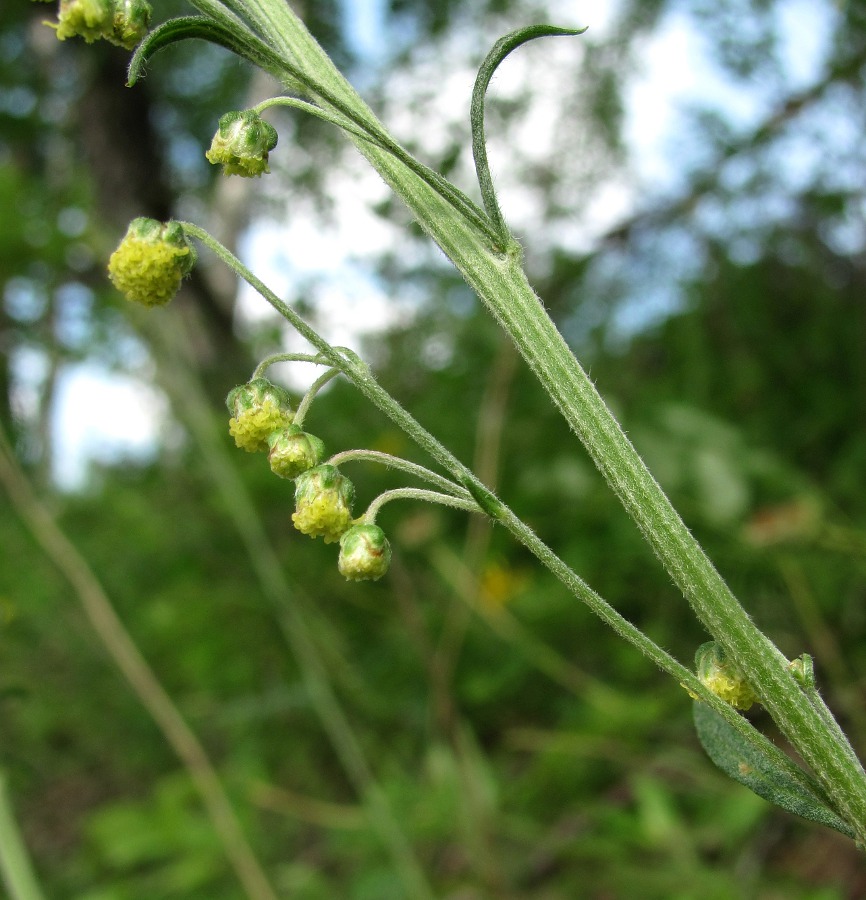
(268, 361)
(307, 399)
(395, 462)
(369, 516)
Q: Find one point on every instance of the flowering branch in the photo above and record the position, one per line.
(478, 242)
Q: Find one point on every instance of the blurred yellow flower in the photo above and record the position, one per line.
(499, 586)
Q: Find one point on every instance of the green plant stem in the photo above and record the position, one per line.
(16, 871)
(395, 462)
(315, 387)
(823, 746)
(500, 282)
(369, 516)
(307, 399)
(268, 361)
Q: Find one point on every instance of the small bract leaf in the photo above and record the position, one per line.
(765, 770)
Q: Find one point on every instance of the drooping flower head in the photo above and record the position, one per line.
(151, 261)
(259, 408)
(323, 503)
(294, 451)
(722, 677)
(365, 553)
(122, 22)
(89, 19)
(242, 144)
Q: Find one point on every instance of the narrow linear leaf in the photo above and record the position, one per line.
(240, 41)
(500, 50)
(765, 770)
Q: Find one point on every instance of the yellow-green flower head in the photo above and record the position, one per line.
(151, 261)
(720, 675)
(365, 553)
(294, 451)
(89, 19)
(122, 22)
(131, 22)
(259, 408)
(242, 144)
(323, 503)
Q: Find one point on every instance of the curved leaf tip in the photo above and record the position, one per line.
(491, 63)
(186, 27)
(176, 29)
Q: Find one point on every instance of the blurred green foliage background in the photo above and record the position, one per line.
(523, 751)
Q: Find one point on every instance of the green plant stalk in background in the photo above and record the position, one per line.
(16, 870)
(479, 245)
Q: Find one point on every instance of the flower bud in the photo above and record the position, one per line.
(89, 19)
(803, 669)
(131, 22)
(294, 451)
(365, 553)
(323, 503)
(242, 143)
(151, 261)
(720, 675)
(259, 408)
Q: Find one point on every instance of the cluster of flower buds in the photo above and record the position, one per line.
(242, 144)
(323, 507)
(263, 420)
(151, 261)
(121, 22)
(717, 673)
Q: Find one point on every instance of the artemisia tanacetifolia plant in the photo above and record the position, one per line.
(740, 666)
